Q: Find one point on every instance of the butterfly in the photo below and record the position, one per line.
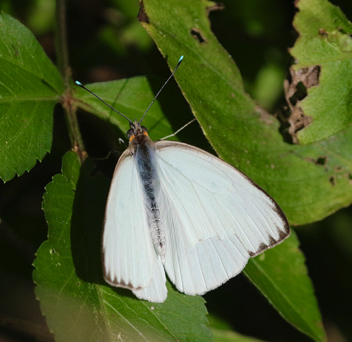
(175, 208)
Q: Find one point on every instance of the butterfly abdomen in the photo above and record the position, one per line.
(145, 160)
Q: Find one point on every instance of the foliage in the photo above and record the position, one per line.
(302, 160)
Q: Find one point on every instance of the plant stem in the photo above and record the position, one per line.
(65, 70)
(61, 41)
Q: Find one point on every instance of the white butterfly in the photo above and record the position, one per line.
(176, 208)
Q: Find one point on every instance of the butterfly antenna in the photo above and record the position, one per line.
(178, 64)
(99, 98)
(179, 130)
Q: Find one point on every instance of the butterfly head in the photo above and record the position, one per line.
(137, 135)
(136, 131)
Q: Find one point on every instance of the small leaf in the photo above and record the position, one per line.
(230, 336)
(78, 304)
(30, 86)
(325, 42)
(131, 97)
(281, 275)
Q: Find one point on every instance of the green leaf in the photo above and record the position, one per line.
(45, 10)
(30, 86)
(249, 138)
(281, 275)
(265, 271)
(222, 332)
(325, 41)
(78, 304)
(132, 97)
(309, 182)
(230, 336)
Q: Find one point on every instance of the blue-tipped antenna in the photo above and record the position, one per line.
(178, 64)
(115, 110)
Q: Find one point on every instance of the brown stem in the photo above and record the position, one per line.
(65, 70)
(61, 42)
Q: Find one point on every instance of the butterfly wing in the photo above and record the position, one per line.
(215, 217)
(129, 258)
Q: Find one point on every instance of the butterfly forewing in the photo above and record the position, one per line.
(129, 257)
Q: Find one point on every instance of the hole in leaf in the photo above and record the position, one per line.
(198, 35)
(321, 161)
(142, 15)
(332, 180)
(296, 89)
(323, 32)
(341, 30)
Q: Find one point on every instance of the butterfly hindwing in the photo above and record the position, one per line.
(215, 217)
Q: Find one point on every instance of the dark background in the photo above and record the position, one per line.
(106, 42)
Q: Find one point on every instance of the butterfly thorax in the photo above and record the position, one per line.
(138, 135)
(144, 156)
